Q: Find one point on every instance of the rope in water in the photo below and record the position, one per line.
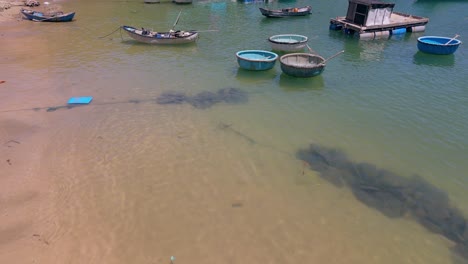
(111, 32)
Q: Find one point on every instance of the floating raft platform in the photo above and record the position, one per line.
(375, 19)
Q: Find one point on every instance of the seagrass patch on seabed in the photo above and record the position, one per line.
(391, 194)
(205, 99)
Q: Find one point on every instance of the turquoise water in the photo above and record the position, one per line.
(128, 176)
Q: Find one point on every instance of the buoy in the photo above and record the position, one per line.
(2, 81)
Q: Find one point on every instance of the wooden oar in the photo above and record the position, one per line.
(311, 50)
(338, 53)
(456, 36)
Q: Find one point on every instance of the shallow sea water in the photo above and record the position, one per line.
(133, 181)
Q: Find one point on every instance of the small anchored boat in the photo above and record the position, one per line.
(288, 42)
(286, 12)
(304, 64)
(438, 45)
(57, 16)
(153, 37)
(256, 60)
(182, 2)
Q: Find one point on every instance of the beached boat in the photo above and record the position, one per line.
(153, 37)
(256, 60)
(288, 42)
(57, 16)
(438, 45)
(286, 12)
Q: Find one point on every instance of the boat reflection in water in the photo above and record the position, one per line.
(421, 58)
(290, 83)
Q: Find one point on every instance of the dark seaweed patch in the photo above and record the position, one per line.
(171, 98)
(232, 95)
(205, 99)
(391, 194)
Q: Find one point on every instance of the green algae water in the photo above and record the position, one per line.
(133, 181)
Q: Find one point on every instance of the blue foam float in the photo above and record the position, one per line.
(80, 100)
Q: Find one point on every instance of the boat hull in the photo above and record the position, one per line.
(288, 42)
(41, 17)
(182, 2)
(302, 65)
(285, 12)
(256, 60)
(438, 45)
(161, 38)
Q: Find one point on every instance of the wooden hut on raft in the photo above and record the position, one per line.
(374, 18)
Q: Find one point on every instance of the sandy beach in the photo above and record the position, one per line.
(22, 188)
(10, 11)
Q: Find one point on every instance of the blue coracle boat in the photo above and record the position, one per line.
(256, 60)
(438, 45)
(47, 17)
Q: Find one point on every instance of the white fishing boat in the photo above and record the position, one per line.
(161, 38)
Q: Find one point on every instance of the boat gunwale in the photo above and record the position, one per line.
(304, 39)
(275, 56)
(302, 66)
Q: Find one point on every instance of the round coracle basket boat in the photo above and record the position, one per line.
(438, 45)
(288, 42)
(256, 60)
(302, 64)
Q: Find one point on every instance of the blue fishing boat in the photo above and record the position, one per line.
(47, 17)
(438, 45)
(256, 60)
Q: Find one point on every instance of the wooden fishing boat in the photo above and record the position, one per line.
(57, 16)
(302, 64)
(438, 45)
(161, 38)
(288, 42)
(256, 60)
(286, 12)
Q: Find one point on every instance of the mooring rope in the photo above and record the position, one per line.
(112, 32)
